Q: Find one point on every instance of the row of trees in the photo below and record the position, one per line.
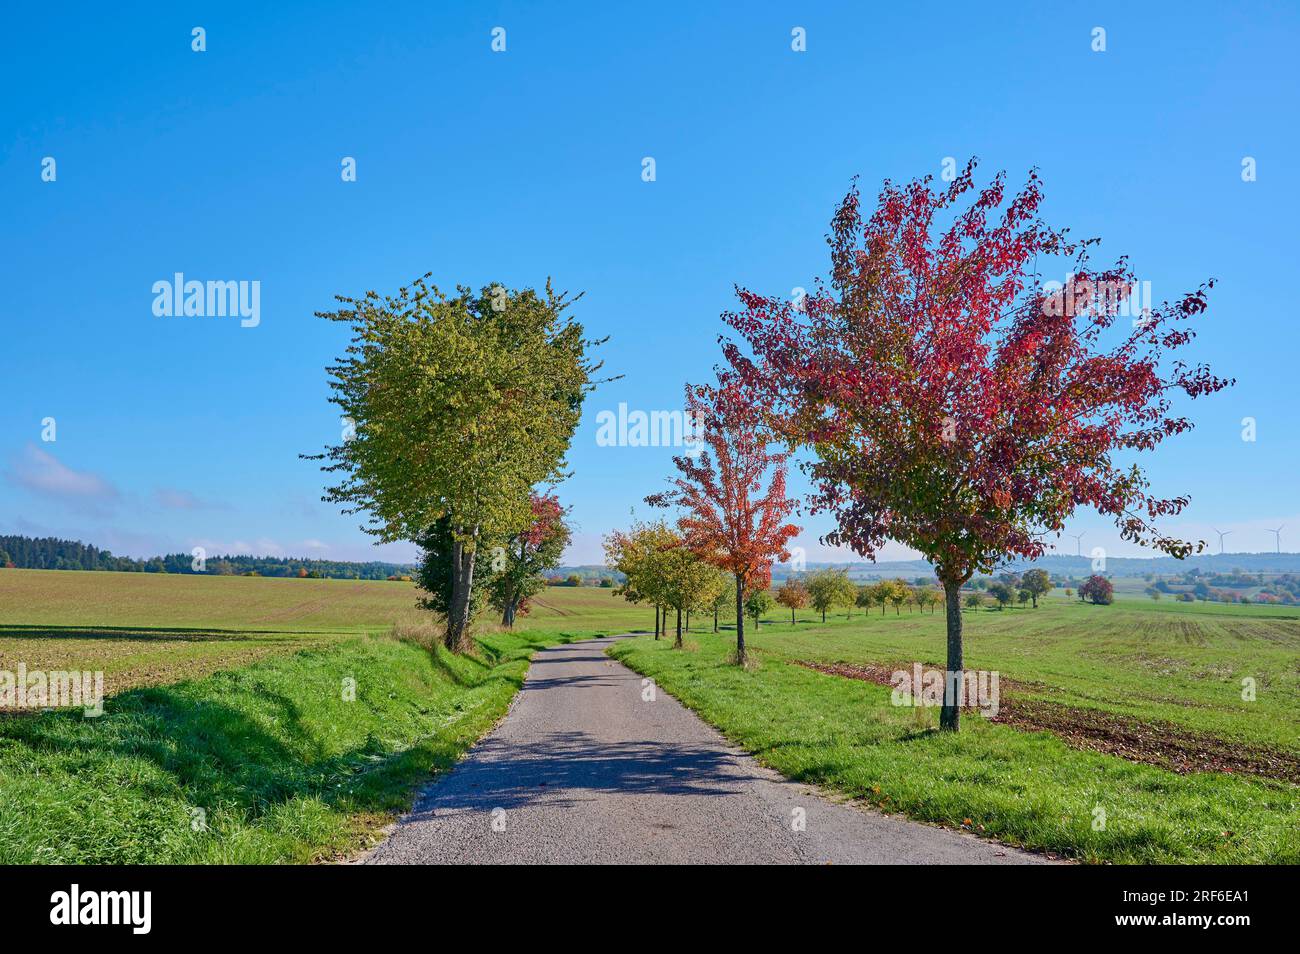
(945, 396)
(942, 395)
(730, 527)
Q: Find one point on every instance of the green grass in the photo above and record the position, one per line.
(227, 705)
(282, 766)
(1027, 788)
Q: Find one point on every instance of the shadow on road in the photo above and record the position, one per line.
(563, 768)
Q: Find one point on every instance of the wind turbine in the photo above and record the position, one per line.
(1278, 535)
(1078, 541)
(1222, 534)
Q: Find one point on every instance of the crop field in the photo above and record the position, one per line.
(149, 629)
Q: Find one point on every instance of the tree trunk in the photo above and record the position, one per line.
(740, 621)
(656, 621)
(508, 617)
(791, 615)
(677, 644)
(823, 616)
(950, 714)
(715, 618)
(458, 637)
(688, 621)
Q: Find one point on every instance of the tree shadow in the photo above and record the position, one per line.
(568, 767)
(143, 633)
(225, 759)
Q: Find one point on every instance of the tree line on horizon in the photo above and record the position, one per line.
(52, 553)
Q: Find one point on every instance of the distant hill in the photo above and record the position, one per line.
(51, 553)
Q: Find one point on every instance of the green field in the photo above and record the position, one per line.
(226, 706)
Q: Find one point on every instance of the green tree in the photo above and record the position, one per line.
(689, 583)
(898, 594)
(640, 555)
(759, 602)
(1037, 582)
(928, 596)
(457, 407)
(433, 572)
(725, 598)
(1001, 592)
(830, 588)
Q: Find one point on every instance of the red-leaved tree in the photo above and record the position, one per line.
(955, 402)
(728, 520)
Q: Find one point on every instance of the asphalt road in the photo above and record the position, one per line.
(586, 770)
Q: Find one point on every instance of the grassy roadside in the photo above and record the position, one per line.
(1026, 788)
(264, 764)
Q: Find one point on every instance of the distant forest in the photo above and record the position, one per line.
(49, 553)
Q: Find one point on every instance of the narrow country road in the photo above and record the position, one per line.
(584, 770)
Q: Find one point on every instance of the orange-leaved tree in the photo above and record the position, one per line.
(727, 519)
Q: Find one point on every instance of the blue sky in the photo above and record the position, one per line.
(514, 166)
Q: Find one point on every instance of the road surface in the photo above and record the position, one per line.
(585, 770)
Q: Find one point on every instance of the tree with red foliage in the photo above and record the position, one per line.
(525, 558)
(1098, 590)
(728, 521)
(955, 403)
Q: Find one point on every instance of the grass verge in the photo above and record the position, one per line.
(267, 764)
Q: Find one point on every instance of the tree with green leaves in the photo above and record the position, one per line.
(1037, 582)
(726, 597)
(899, 593)
(830, 588)
(434, 574)
(689, 583)
(759, 602)
(640, 555)
(455, 407)
(1001, 592)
